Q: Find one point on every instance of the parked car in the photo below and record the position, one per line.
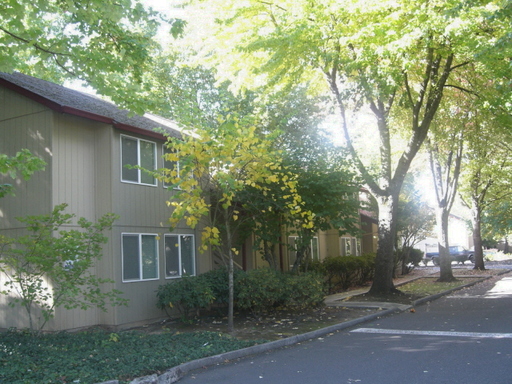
(457, 253)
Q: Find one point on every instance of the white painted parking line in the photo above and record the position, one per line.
(434, 333)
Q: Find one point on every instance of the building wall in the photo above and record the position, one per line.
(23, 124)
(84, 171)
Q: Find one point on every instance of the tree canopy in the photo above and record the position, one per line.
(396, 58)
(107, 44)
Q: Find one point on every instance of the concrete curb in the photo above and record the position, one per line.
(183, 369)
(174, 374)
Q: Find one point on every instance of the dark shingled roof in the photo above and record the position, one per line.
(66, 100)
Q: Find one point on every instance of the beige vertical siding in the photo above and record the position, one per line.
(25, 124)
(84, 171)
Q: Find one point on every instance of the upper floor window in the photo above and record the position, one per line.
(137, 152)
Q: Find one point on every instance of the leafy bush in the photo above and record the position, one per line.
(187, 294)
(342, 272)
(217, 280)
(415, 257)
(66, 261)
(305, 290)
(261, 289)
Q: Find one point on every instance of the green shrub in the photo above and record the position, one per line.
(261, 290)
(305, 290)
(415, 257)
(367, 267)
(186, 294)
(217, 280)
(342, 272)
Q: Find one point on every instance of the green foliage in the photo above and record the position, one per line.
(398, 60)
(186, 294)
(107, 43)
(51, 267)
(262, 289)
(259, 290)
(342, 272)
(306, 290)
(217, 280)
(415, 256)
(97, 356)
(23, 164)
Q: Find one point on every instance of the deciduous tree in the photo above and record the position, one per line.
(395, 57)
(51, 267)
(213, 166)
(107, 44)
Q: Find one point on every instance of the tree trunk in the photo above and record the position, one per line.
(231, 285)
(506, 246)
(477, 236)
(384, 262)
(446, 274)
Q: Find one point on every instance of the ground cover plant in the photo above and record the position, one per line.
(96, 356)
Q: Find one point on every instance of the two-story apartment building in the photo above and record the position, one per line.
(87, 143)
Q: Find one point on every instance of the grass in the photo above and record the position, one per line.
(96, 356)
(428, 286)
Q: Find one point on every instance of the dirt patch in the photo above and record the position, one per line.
(272, 326)
(285, 323)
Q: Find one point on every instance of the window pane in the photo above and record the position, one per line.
(149, 257)
(147, 161)
(187, 255)
(172, 256)
(129, 157)
(131, 266)
(314, 248)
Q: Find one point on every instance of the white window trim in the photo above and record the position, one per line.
(138, 161)
(355, 246)
(179, 235)
(140, 257)
(310, 245)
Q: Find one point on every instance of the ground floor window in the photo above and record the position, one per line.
(311, 253)
(140, 256)
(179, 255)
(350, 246)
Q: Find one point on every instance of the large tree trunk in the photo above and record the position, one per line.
(477, 236)
(384, 262)
(446, 274)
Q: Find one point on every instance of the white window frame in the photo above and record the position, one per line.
(180, 258)
(141, 270)
(293, 252)
(355, 246)
(139, 171)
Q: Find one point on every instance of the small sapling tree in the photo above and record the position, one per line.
(50, 267)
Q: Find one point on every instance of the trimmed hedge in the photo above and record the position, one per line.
(187, 294)
(342, 272)
(258, 290)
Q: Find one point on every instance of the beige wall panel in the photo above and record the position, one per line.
(25, 124)
(15, 105)
(74, 171)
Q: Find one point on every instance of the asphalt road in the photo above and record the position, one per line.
(463, 338)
